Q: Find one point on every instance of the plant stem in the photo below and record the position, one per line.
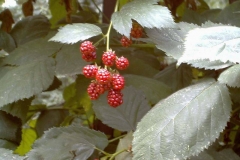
(107, 154)
(117, 153)
(110, 27)
(114, 139)
(96, 44)
(100, 11)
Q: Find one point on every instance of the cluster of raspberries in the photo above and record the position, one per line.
(104, 79)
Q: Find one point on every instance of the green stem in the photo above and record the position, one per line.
(107, 154)
(100, 11)
(117, 153)
(96, 44)
(114, 139)
(110, 27)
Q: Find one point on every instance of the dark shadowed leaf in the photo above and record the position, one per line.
(69, 60)
(10, 127)
(18, 109)
(50, 118)
(184, 124)
(176, 78)
(67, 143)
(30, 28)
(6, 41)
(231, 76)
(146, 13)
(126, 116)
(7, 144)
(153, 89)
(72, 33)
(26, 80)
(35, 50)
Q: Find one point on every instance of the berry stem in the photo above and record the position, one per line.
(96, 43)
(117, 153)
(110, 27)
(117, 138)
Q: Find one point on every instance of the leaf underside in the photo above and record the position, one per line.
(231, 76)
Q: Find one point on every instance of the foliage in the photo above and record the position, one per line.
(181, 94)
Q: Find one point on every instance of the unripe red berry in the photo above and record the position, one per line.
(122, 63)
(89, 71)
(125, 41)
(118, 82)
(92, 92)
(115, 98)
(108, 58)
(103, 76)
(87, 48)
(136, 31)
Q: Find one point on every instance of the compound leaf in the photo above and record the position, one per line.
(153, 89)
(26, 80)
(30, 28)
(8, 154)
(183, 124)
(213, 43)
(146, 13)
(67, 143)
(72, 33)
(231, 76)
(69, 60)
(126, 116)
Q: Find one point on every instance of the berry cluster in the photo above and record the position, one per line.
(104, 79)
(136, 32)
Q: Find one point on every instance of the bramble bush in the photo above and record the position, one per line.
(160, 81)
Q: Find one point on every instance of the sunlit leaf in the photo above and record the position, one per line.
(8, 154)
(147, 13)
(183, 124)
(126, 116)
(72, 33)
(231, 76)
(125, 143)
(207, 64)
(213, 43)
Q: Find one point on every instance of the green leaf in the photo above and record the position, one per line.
(125, 143)
(26, 80)
(8, 155)
(213, 153)
(18, 109)
(35, 50)
(67, 143)
(7, 144)
(147, 13)
(231, 76)
(6, 41)
(183, 124)
(153, 89)
(69, 60)
(213, 43)
(9, 127)
(50, 118)
(207, 64)
(126, 116)
(29, 135)
(170, 40)
(72, 33)
(30, 28)
(176, 78)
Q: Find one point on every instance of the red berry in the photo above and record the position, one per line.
(87, 48)
(125, 41)
(115, 98)
(101, 88)
(89, 57)
(103, 76)
(92, 92)
(89, 71)
(136, 31)
(118, 82)
(108, 58)
(122, 63)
